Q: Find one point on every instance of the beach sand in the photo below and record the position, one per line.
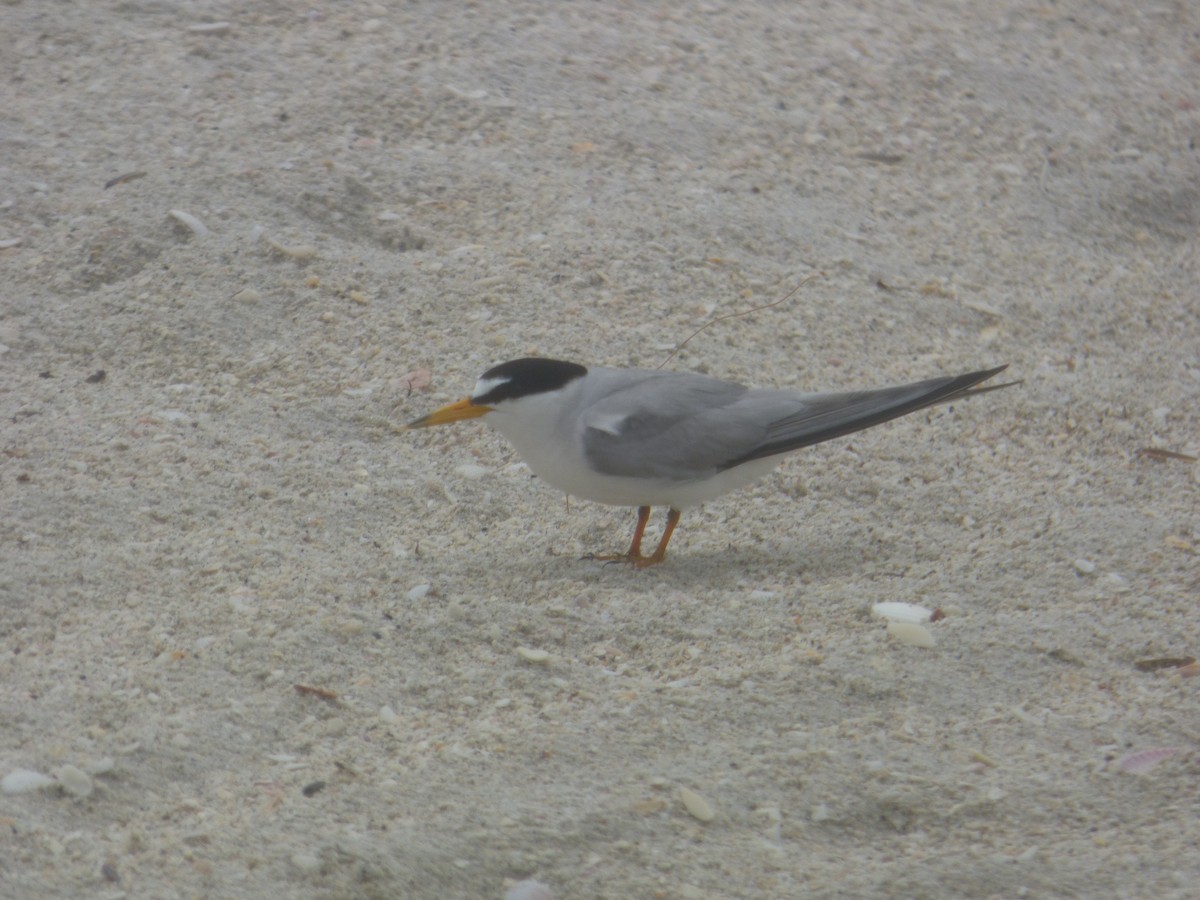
(258, 642)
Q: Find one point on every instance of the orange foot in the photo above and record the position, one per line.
(637, 561)
(634, 555)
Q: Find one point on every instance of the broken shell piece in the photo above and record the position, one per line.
(416, 380)
(20, 781)
(194, 225)
(697, 806)
(1144, 760)
(910, 633)
(902, 612)
(210, 28)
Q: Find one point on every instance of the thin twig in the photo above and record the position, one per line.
(736, 315)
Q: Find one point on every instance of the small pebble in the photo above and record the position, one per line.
(313, 788)
(530, 654)
(299, 252)
(306, 862)
(1084, 566)
(388, 716)
(529, 890)
(101, 766)
(1115, 582)
(418, 592)
(471, 471)
(697, 806)
(20, 781)
(75, 781)
(910, 633)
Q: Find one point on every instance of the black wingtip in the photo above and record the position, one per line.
(969, 382)
(847, 413)
(958, 386)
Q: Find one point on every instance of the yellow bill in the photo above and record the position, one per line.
(452, 412)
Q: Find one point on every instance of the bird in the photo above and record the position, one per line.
(649, 437)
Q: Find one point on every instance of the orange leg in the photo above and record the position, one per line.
(634, 554)
(660, 553)
(635, 548)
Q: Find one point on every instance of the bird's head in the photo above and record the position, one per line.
(506, 387)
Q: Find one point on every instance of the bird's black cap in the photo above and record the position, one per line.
(523, 378)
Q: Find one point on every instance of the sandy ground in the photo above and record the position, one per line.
(321, 199)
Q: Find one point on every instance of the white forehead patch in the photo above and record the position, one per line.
(483, 385)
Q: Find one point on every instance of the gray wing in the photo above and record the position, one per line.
(823, 417)
(679, 427)
(671, 425)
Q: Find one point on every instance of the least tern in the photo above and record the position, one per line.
(644, 437)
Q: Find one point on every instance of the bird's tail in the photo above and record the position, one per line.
(828, 416)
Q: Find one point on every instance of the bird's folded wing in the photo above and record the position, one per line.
(684, 427)
(672, 427)
(822, 417)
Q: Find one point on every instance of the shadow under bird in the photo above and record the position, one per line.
(644, 437)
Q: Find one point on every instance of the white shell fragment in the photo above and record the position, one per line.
(194, 225)
(697, 806)
(910, 633)
(75, 781)
(21, 781)
(902, 612)
(533, 655)
(210, 28)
